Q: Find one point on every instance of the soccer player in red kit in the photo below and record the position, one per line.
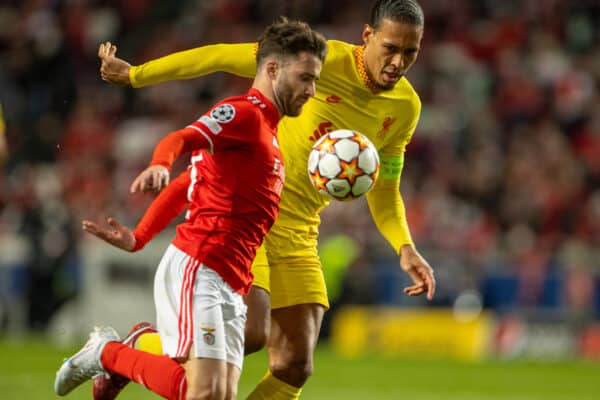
(233, 188)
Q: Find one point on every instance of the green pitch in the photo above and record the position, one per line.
(27, 372)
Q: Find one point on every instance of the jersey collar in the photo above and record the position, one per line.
(269, 110)
(362, 71)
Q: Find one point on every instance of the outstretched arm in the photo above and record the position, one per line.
(237, 59)
(387, 209)
(163, 210)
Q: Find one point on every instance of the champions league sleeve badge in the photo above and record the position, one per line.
(223, 113)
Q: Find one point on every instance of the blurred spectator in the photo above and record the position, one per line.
(3, 145)
(500, 181)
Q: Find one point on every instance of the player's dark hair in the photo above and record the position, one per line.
(284, 37)
(408, 11)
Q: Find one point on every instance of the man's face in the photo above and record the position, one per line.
(390, 51)
(295, 82)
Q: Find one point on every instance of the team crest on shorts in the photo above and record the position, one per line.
(208, 336)
(224, 113)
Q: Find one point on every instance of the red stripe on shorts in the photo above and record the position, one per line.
(186, 322)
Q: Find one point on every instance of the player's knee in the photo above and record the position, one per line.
(294, 371)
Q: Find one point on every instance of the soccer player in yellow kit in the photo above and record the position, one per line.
(362, 87)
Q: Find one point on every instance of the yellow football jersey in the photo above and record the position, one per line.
(343, 99)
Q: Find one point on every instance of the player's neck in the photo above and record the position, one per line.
(265, 86)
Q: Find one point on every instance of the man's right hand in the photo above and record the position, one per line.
(113, 69)
(152, 179)
(118, 235)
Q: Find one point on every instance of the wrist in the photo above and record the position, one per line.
(137, 243)
(160, 163)
(406, 249)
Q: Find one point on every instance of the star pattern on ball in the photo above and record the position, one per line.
(362, 142)
(350, 170)
(319, 181)
(327, 144)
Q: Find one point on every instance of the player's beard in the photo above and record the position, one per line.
(283, 94)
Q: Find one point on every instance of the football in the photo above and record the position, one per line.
(343, 164)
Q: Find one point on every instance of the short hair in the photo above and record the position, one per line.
(408, 11)
(285, 37)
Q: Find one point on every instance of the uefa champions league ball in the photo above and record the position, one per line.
(343, 165)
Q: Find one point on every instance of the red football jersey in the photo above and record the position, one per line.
(234, 185)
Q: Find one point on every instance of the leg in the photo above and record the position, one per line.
(233, 377)
(108, 386)
(103, 353)
(294, 335)
(298, 302)
(258, 320)
(206, 379)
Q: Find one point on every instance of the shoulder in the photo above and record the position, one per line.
(337, 51)
(406, 93)
(234, 110)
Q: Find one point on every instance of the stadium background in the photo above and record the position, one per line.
(501, 186)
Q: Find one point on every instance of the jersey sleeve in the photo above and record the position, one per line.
(231, 123)
(163, 210)
(238, 59)
(403, 134)
(385, 201)
(387, 209)
(177, 143)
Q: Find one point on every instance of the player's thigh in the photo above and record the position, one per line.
(295, 272)
(258, 323)
(258, 299)
(294, 334)
(298, 283)
(206, 378)
(259, 304)
(190, 317)
(169, 281)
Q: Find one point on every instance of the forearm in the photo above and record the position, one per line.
(238, 59)
(163, 210)
(387, 209)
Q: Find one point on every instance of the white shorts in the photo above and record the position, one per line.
(197, 313)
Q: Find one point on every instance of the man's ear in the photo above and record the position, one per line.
(367, 33)
(272, 68)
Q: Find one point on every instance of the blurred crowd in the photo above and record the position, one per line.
(501, 180)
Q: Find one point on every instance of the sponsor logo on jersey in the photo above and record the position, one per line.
(333, 99)
(211, 124)
(223, 113)
(385, 127)
(208, 336)
(322, 129)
